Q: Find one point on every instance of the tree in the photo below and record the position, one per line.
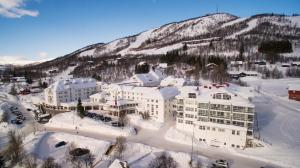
(241, 52)
(13, 90)
(141, 68)
(163, 161)
(14, 150)
(5, 117)
(89, 160)
(123, 119)
(30, 161)
(80, 109)
(120, 145)
(50, 163)
(2, 161)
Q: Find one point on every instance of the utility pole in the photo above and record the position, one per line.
(191, 162)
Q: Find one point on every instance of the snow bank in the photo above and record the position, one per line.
(71, 120)
(147, 124)
(43, 145)
(177, 136)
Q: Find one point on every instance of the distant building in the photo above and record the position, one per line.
(150, 79)
(296, 63)
(239, 74)
(294, 92)
(18, 79)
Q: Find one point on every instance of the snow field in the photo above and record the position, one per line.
(70, 120)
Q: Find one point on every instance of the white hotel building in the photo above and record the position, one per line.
(217, 116)
(156, 101)
(62, 92)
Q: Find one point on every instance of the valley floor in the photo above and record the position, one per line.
(277, 119)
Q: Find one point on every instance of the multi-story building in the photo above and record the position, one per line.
(156, 101)
(214, 115)
(67, 91)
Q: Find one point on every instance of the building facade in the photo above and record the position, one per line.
(66, 91)
(215, 116)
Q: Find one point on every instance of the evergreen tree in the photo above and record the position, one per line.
(80, 109)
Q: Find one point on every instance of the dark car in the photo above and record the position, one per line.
(61, 143)
(107, 119)
(117, 124)
(18, 122)
(28, 109)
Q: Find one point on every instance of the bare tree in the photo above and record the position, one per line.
(163, 161)
(120, 145)
(50, 163)
(5, 117)
(89, 160)
(14, 151)
(30, 161)
(123, 119)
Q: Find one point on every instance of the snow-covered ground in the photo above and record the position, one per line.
(70, 120)
(136, 154)
(278, 120)
(147, 124)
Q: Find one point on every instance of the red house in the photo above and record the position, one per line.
(294, 92)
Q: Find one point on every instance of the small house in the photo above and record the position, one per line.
(294, 92)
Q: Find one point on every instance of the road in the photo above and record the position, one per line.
(156, 139)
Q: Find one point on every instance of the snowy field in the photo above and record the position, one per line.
(137, 155)
(278, 120)
(71, 121)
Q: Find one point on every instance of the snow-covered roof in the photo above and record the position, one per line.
(206, 95)
(296, 62)
(172, 81)
(152, 76)
(239, 72)
(77, 83)
(117, 164)
(149, 92)
(294, 87)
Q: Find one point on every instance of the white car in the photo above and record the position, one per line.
(220, 164)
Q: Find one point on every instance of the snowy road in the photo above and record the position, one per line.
(156, 139)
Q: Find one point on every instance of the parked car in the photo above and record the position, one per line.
(117, 124)
(220, 164)
(61, 143)
(16, 121)
(107, 119)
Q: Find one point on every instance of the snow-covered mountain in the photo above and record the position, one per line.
(198, 32)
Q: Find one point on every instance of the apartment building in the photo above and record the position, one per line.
(66, 91)
(215, 115)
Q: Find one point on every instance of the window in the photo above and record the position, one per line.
(189, 109)
(233, 132)
(213, 128)
(189, 115)
(208, 128)
(232, 145)
(237, 132)
(188, 122)
(238, 146)
(192, 95)
(180, 121)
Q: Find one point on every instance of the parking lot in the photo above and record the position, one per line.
(104, 119)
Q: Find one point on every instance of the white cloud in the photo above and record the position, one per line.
(43, 54)
(15, 9)
(20, 60)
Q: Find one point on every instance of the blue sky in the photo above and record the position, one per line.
(43, 29)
